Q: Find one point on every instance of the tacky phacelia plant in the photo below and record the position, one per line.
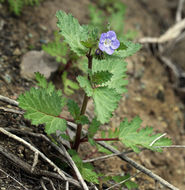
(104, 82)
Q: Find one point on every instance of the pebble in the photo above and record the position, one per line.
(2, 22)
(17, 52)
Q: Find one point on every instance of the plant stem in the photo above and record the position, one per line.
(101, 139)
(83, 108)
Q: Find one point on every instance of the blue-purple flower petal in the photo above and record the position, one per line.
(115, 44)
(101, 46)
(111, 35)
(109, 42)
(103, 37)
(109, 51)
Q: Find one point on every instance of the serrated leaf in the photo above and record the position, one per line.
(93, 128)
(57, 50)
(82, 119)
(16, 6)
(41, 80)
(131, 137)
(49, 87)
(129, 184)
(69, 85)
(89, 43)
(86, 169)
(43, 108)
(73, 108)
(101, 77)
(90, 175)
(85, 84)
(105, 101)
(73, 32)
(131, 48)
(117, 67)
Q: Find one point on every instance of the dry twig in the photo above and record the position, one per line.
(27, 168)
(171, 34)
(7, 175)
(56, 168)
(179, 10)
(117, 184)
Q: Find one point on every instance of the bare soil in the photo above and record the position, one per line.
(150, 93)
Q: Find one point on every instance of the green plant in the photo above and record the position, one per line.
(104, 82)
(16, 6)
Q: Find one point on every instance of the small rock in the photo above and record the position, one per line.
(7, 78)
(37, 61)
(2, 22)
(17, 52)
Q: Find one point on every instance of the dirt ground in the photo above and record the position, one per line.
(150, 95)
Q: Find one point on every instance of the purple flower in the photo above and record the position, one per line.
(109, 42)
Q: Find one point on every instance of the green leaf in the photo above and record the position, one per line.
(93, 128)
(105, 101)
(69, 85)
(117, 67)
(57, 49)
(75, 112)
(86, 169)
(43, 108)
(16, 6)
(73, 108)
(89, 43)
(129, 184)
(73, 33)
(89, 175)
(131, 48)
(85, 84)
(131, 137)
(82, 120)
(49, 87)
(101, 77)
(41, 80)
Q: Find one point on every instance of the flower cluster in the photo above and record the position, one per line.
(109, 42)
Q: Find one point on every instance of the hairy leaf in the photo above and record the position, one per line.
(16, 6)
(73, 108)
(131, 137)
(73, 32)
(105, 101)
(93, 128)
(129, 184)
(85, 84)
(129, 50)
(117, 67)
(86, 169)
(49, 87)
(43, 108)
(69, 85)
(82, 120)
(57, 49)
(101, 77)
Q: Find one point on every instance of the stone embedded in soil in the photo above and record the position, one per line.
(37, 61)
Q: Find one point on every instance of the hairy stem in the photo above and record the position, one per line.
(83, 108)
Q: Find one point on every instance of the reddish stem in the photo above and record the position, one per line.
(70, 120)
(100, 139)
(83, 108)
